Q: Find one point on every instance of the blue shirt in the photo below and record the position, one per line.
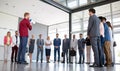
(57, 42)
(106, 32)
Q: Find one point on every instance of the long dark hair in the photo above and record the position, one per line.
(109, 24)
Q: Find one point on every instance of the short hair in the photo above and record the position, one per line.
(103, 18)
(81, 34)
(16, 31)
(57, 34)
(40, 34)
(92, 10)
(74, 35)
(100, 17)
(26, 13)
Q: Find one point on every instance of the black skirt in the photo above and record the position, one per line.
(48, 52)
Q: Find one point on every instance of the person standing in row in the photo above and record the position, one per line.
(24, 26)
(15, 45)
(73, 45)
(57, 43)
(111, 41)
(7, 45)
(81, 48)
(88, 50)
(102, 60)
(107, 44)
(40, 44)
(93, 33)
(31, 47)
(48, 44)
(65, 48)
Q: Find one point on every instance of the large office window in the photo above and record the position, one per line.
(61, 29)
(116, 24)
(72, 4)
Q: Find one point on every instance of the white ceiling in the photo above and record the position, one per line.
(40, 12)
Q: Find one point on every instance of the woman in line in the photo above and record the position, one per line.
(7, 45)
(48, 44)
(31, 47)
(111, 40)
(88, 50)
(101, 43)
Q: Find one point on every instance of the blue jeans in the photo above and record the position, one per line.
(22, 49)
(100, 51)
(39, 50)
(81, 56)
(55, 51)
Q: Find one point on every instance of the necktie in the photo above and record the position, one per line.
(40, 41)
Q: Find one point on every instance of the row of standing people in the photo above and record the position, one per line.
(66, 45)
(99, 33)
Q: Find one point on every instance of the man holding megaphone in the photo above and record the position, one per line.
(24, 26)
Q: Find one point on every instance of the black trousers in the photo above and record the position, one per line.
(65, 53)
(14, 53)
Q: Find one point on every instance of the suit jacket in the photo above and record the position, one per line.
(73, 44)
(14, 41)
(57, 42)
(66, 44)
(81, 44)
(93, 26)
(38, 42)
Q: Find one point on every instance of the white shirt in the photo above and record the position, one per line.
(73, 44)
(102, 29)
(14, 41)
(48, 46)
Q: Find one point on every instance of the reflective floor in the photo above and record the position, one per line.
(53, 67)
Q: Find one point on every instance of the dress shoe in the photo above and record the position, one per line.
(71, 62)
(25, 63)
(79, 63)
(94, 65)
(18, 62)
(63, 62)
(87, 62)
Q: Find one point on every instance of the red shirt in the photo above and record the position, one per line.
(24, 26)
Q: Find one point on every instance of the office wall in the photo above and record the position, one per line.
(7, 23)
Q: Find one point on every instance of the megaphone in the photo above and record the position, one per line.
(31, 21)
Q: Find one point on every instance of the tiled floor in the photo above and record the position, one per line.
(53, 67)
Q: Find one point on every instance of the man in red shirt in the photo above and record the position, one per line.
(24, 26)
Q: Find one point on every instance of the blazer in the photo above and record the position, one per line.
(73, 44)
(57, 42)
(38, 42)
(5, 40)
(81, 44)
(65, 44)
(14, 41)
(93, 26)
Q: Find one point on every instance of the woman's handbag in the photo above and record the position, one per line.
(114, 44)
(72, 52)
